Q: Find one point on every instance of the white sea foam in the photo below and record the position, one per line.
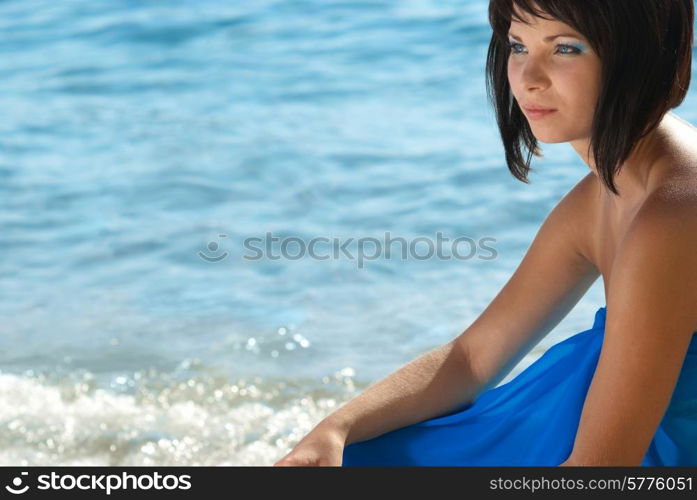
(195, 422)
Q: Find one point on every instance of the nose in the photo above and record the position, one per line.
(533, 75)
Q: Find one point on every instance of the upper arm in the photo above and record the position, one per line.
(551, 278)
(650, 319)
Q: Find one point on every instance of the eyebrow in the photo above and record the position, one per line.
(547, 38)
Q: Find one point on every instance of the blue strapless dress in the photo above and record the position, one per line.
(532, 420)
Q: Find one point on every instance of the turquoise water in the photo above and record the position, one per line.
(134, 134)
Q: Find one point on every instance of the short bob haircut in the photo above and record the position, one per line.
(645, 48)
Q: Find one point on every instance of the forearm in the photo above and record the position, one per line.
(429, 386)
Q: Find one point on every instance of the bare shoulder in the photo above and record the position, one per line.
(674, 199)
(669, 214)
(581, 196)
(678, 186)
(577, 211)
(673, 202)
(655, 268)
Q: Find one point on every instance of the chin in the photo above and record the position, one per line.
(550, 137)
(551, 133)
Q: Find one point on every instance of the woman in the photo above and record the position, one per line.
(603, 76)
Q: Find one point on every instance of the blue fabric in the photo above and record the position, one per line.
(532, 420)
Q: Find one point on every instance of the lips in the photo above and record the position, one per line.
(535, 112)
(537, 108)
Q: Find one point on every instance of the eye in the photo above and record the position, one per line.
(572, 49)
(515, 48)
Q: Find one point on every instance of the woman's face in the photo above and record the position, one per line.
(561, 73)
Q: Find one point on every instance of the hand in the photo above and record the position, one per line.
(322, 447)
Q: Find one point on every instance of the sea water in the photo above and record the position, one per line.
(143, 144)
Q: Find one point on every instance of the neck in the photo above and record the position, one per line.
(637, 173)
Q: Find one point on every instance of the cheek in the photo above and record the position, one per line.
(513, 76)
(578, 85)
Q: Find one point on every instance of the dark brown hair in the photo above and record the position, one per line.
(645, 48)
